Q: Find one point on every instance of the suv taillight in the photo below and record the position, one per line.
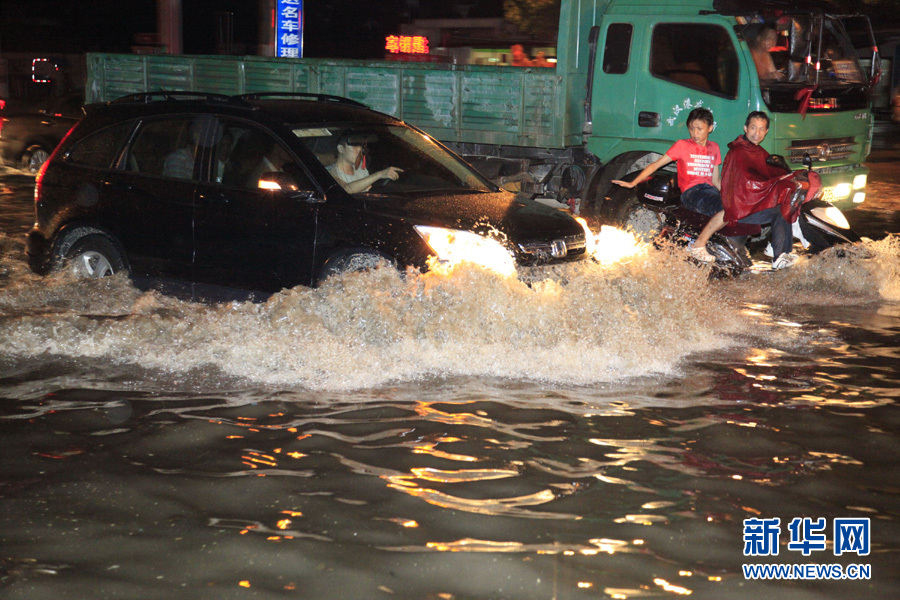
(38, 180)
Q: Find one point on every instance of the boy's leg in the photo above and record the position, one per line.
(702, 198)
(706, 200)
(715, 223)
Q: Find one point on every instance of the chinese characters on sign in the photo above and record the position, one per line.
(406, 44)
(289, 28)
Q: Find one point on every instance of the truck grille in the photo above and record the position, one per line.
(822, 149)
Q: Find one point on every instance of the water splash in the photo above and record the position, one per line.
(864, 272)
(580, 324)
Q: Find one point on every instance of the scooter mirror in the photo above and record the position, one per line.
(807, 160)
(777, 160)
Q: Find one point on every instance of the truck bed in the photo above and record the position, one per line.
(510, 106)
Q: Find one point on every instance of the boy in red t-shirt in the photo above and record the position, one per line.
(697, 160)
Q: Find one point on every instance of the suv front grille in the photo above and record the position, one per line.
(569, 246)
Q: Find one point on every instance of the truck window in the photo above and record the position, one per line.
(617, 49)
(697, 56)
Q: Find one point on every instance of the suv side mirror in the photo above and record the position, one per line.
(282, 182)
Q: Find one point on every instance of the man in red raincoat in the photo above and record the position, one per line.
(755, 192)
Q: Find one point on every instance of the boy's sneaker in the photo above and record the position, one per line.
(784, 261)
(702, 255)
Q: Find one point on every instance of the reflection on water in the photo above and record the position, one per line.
(602, 432)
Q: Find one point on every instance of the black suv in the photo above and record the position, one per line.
(238, 191)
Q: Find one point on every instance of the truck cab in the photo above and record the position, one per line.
(655, 61)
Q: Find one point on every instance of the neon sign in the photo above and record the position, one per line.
(289, 29)
(406, 44)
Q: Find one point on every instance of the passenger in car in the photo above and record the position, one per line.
(179, 163)
(349, 169)
(253, 154)
(223, 151)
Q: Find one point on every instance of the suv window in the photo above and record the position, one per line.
(166, 148)
(244, 153)
(100, 148)
(425, 167)
(696, 56)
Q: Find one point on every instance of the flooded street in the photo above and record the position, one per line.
(602, 433)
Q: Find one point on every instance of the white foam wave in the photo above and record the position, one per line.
(588, 323)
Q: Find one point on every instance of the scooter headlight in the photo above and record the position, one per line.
(831, 215)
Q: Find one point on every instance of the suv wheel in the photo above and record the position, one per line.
(353, 262)
(94, 256)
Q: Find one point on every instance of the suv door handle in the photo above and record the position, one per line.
(218, 198)
(116, 185)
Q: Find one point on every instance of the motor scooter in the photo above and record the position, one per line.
(819, 224)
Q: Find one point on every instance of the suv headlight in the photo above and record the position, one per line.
(454, 246)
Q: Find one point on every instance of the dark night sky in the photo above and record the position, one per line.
(337, 28)
(334, 28)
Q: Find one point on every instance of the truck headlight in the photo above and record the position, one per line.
(454, 246)
(859, 182)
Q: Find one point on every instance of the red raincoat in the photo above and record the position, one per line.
(750, 185)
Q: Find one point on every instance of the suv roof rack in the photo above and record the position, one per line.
(176, 95)
(301, 95)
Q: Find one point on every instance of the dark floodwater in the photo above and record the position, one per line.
(450, 437)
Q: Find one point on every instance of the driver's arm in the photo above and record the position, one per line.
(363, 185)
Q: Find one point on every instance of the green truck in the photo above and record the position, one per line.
(627, 74)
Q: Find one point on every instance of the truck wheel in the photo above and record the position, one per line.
(594, 207)
(634, 216)
(94, 256)
(34, 158)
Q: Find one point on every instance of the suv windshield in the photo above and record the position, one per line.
(352, 151)
(803, 49)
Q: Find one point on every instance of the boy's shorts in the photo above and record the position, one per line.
(702, 198)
